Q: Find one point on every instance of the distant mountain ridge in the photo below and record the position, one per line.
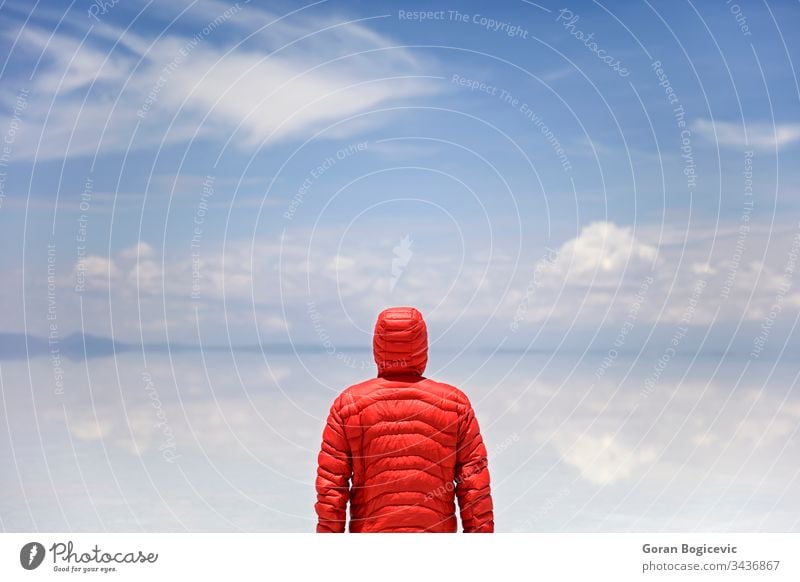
(77, 346)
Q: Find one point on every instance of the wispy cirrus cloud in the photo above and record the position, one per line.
(758, 136)
(118, 89)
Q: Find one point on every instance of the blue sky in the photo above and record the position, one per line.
(488, 136)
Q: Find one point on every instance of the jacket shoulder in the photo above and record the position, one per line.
(345, 402)
(448, 391)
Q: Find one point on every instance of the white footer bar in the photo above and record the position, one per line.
(388, 557)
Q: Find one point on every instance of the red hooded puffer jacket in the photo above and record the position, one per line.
(401, 447)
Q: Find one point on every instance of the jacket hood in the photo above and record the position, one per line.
(400, 342)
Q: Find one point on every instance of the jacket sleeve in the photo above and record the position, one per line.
(472, 477)
(333, 476)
